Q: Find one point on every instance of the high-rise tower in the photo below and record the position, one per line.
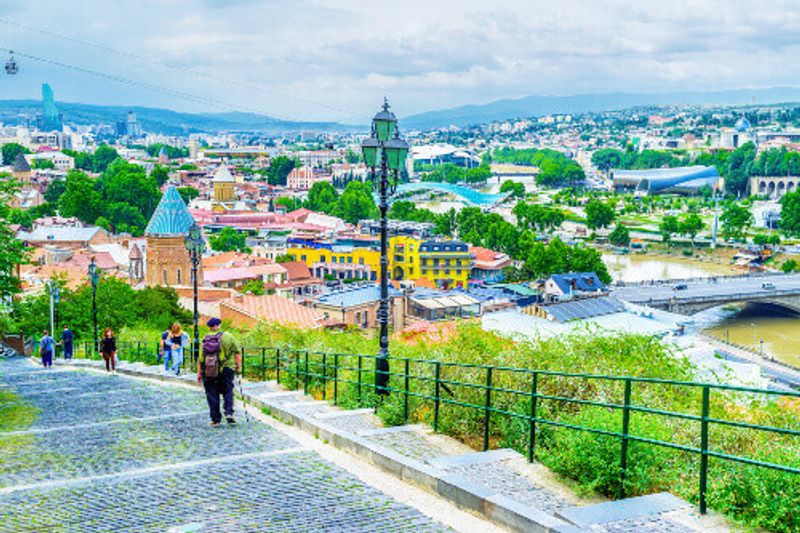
(50, 115)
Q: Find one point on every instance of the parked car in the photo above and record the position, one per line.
(680, 287)
(768, 285)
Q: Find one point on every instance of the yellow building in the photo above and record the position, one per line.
(224, 194)
(444, 263)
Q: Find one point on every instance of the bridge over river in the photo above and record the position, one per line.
(692, 296)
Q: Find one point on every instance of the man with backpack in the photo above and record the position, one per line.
(47, 345)
(219, 361)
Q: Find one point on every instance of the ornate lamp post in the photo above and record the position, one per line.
(385, 154)
(94, 277)
(195, 244)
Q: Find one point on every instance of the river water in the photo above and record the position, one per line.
(745, 325)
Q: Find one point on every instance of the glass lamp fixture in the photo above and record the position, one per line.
(385, 123)
(369, 147)
(396, 152)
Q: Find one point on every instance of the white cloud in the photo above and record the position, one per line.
(334, 59)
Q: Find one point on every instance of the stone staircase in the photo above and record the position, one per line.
(499, 484)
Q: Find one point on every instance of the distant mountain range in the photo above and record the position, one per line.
(531, 106)
(164, 120)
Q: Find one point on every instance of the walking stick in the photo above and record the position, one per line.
(244, 402)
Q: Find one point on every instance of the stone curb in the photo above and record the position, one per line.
(464, 493)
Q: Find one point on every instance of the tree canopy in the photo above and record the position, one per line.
(322, 197)
(12, 251)
(228, 240)
(279, 169)
(736, 219)
(790, 213)
(10, 152)
(599, 214)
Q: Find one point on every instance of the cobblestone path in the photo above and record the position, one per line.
(109, 453)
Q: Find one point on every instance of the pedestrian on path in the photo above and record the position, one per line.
(164, 352)
(108, 347)
(47, 346)
(177, 341)
(218, 362)
(66, 340)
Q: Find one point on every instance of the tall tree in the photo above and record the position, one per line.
(692, 225)
(736, 219)
(11, 151)
(322, 197)
(279, 169)
(103, 157)
(356, 203)
(81, 198)
(599, 214)
(620, 236)
(12, 251)
(668, 226)
(790, 213)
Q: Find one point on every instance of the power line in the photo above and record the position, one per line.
(148, 86)
(144, 58)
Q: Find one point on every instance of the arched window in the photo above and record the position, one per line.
(165, 277)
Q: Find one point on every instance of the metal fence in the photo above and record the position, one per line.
(493, 397)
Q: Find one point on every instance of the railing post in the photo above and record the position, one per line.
(436, 399)
(305, 376)
(487, 409)
(359, 378)
(243, 361)
(405, 396)
(704, 447)
(297, 368)
(278, 366)
(335, 379)
(532, 436)
(626, 419)
(324, 375)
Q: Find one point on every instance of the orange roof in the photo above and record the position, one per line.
(424, 283)
(274, 308)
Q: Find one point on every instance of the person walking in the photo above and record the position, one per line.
(66, 340)
(108, 347)
(47, 346)
(164, 352)
(177, 341)
(218, 362)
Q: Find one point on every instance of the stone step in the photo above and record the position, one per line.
(627, 510)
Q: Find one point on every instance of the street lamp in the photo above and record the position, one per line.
(385, 154)
(94, 277)
(195, 244)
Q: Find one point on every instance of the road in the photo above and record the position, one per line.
(110, 453)
(723, 289)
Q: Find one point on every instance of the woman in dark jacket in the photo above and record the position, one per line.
(108, 347)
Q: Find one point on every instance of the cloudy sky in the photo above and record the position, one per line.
(335, 59)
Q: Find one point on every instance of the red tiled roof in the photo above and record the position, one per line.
(296, 270)
(274, 308)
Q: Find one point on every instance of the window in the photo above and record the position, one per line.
(165, 277)
(322, 258)
(303, 258)
(350, 259)
(179, 277)
(360, 260)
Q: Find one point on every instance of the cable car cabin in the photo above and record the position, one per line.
(11, 65)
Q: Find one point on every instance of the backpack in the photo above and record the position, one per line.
(212, 353)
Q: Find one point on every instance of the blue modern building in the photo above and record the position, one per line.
(679, 180)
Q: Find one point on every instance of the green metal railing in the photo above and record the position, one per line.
(493, 395)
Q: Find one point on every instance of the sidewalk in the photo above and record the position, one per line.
(111, 453)
(498, 484)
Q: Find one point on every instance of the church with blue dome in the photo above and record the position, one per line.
(168, 263)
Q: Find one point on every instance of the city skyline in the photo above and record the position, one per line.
(320, 60)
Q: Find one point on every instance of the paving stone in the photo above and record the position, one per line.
(103, 463)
